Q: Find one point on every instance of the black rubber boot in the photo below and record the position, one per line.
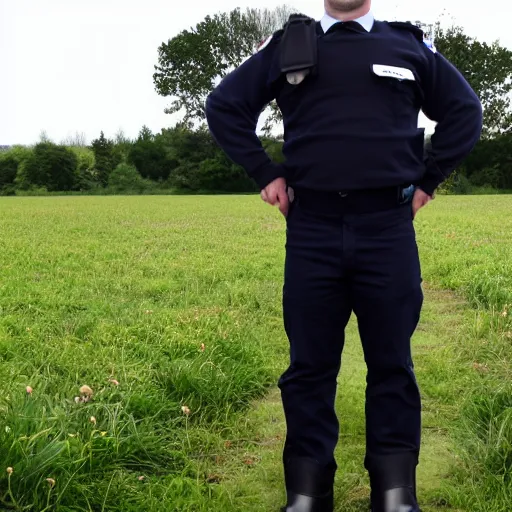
(393, 483)
(309, 486)
(400, 499)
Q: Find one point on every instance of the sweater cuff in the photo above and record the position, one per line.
(265, 175)
(432, 178)
(428, 185)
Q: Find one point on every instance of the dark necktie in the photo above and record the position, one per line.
(353, 26)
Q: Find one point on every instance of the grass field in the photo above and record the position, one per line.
(168, 309)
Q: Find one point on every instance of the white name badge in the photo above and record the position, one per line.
(393, 72)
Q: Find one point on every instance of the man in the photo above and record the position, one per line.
(352, 151)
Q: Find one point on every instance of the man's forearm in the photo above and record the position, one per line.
(453, 140)
(453, 104)
(233, 111)
(234, 130)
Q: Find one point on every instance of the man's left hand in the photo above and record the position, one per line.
(419, 200)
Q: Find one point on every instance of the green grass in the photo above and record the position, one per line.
(178, 300)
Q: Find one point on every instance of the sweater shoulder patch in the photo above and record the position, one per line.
(429, 44)
(263, 44)
(417, 31)
(267, 41)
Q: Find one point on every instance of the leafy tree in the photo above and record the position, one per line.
(20, 153)
(50, 166)
(149, 156)
(490, 163)
(122, 147)
(86, 176)
(126, 178)
(8, 171)
(200, 164)
(190, 63)
(216, 174)
(186, 145)
(104, 157)
(488, 68)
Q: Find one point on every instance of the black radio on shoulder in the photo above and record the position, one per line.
(298, 48)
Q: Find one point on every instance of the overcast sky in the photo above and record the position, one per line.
(86, 66)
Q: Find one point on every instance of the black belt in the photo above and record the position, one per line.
(355, 201)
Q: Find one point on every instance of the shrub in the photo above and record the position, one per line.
(8, 170)
(461, 185)
(489, 177)
(86, 176)
(103, 156)
(49, 166)
(126, 178)
(149, 155)
(10, 162)
(213, 175)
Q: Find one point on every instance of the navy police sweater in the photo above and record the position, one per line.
(353, 123)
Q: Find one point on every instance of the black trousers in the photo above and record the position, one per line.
(337, 262)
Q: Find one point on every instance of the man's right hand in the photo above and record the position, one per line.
(275, 193)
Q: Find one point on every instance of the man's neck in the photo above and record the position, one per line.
(347, 15)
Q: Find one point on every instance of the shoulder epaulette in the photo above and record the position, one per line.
(417, 31)
(406, 25)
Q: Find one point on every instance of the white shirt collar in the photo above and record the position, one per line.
(365, 21)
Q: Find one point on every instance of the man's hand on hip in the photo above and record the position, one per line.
(419, 200)
(276, 193)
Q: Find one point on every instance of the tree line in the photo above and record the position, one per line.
(179, 159)
(185, 158)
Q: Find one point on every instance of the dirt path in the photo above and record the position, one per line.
(252, 473)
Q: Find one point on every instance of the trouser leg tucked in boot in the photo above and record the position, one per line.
(393, 483)
(309, 486)
(387, 302)
(316, 310)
